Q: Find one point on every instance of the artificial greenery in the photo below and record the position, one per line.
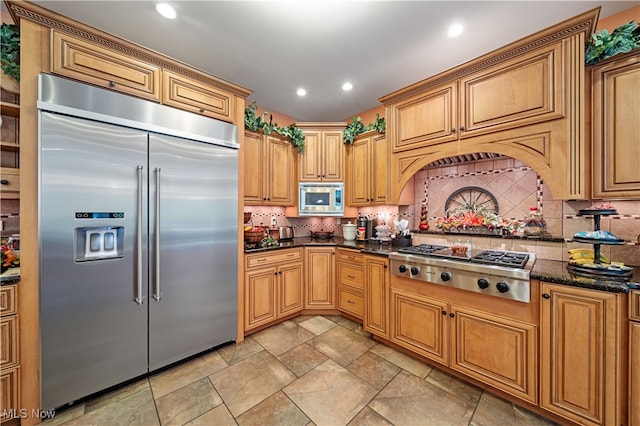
(603, 45)
(258, 123)
(10, 50)
(357, 127)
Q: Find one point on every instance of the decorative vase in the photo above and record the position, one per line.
(9, 83)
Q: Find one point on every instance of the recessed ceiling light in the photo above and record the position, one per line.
(347, 86)
(166, 10)
(301, 92)
(455, 30)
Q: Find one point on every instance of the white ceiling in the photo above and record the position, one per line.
(274, 47)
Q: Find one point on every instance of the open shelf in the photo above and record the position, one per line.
(7, 108)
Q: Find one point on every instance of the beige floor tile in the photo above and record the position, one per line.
(344, 322)
(408, 400)
(403, 361)
(282, 337)
(492, 411)
(170, 380)
(318, 325)
(329, 394)
(368, 417)
(237, 352)
(135, 409)
(117, 395)
(455, 386)
(526, 417)
(187, 403)
(62, 417)
(374, 370)
(275, 410)
(251, 381)
(341, 345)
(301, 359)
(219, 416)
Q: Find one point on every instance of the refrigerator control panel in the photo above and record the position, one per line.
(99, 242)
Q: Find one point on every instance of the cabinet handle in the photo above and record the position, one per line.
(444, 312)
(351, 276)
(351, 302)
(546, 296)
(112, 84)
(4, 182)
(452, 315)
(264, 259)
(290, 255)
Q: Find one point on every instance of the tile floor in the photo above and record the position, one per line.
(312, 370)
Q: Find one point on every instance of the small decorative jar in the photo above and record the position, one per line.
(534, 224)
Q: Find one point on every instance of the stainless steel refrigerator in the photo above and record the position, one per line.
(138, 211)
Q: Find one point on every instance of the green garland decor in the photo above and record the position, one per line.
(603, 45)
(258, 123)
(10, 50)
(356, 127)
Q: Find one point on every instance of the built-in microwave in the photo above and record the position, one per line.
(321, 199)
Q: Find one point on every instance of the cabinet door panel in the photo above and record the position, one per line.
(281, 172)
(260, 298)
(616, 129)
(520, 92)
(192, 95)
(359, 172)
(332, 157)
(419, 325)
(9, 341)
(9, 391)
(310, 166)
(350, 301)
(253, 169)
(579, 354)
(376, 319)
(497, 351)
(94, 64)
(290, 289)
(634, 373)
(426, 119)
(321, 279)
(379, 170)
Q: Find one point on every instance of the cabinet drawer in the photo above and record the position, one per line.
(11, 182)
(350, 301)
(77, 59)
(262, 259)
(8, 300)
(9, 391)
(192, 95)
(351, 275)
(634, 305)
(347, 255)
(9, 341)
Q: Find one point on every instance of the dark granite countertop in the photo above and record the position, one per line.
(10, 276)
(544, 270)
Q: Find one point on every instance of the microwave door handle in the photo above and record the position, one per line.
(138, 295)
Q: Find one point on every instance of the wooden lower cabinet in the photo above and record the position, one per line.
(350, 277)
(376, 296)
(580, 358)
(634, 373)
(495, 350)
(321, 277)
(273, 288)
(9, 353)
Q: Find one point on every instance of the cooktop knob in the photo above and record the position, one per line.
(483, 283)
(445, 276)
(415, 270)
(402, 268)
(502, 287)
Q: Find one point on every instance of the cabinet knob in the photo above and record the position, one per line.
(112, 84)
(280, 273)
(462, 128)
(444, 312)
(201, 110)
(546, 296)
(4, 182)
(275, 273)
(453, 130)
(386, 266)
(452, 315)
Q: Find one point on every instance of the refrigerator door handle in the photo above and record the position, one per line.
(138, 295)
(156, 277)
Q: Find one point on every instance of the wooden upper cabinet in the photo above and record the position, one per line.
(367, 162)
(427, 118)
(379, 169)
(269, 172)
(94, 64)
(518, 92)
(581, 356)
(191, 95)
(323, 157)
(615, 111)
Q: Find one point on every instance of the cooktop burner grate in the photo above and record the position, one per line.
(421, 249)
(501, 258)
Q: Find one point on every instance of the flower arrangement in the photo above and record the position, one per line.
(472, 219)
(9, 258)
